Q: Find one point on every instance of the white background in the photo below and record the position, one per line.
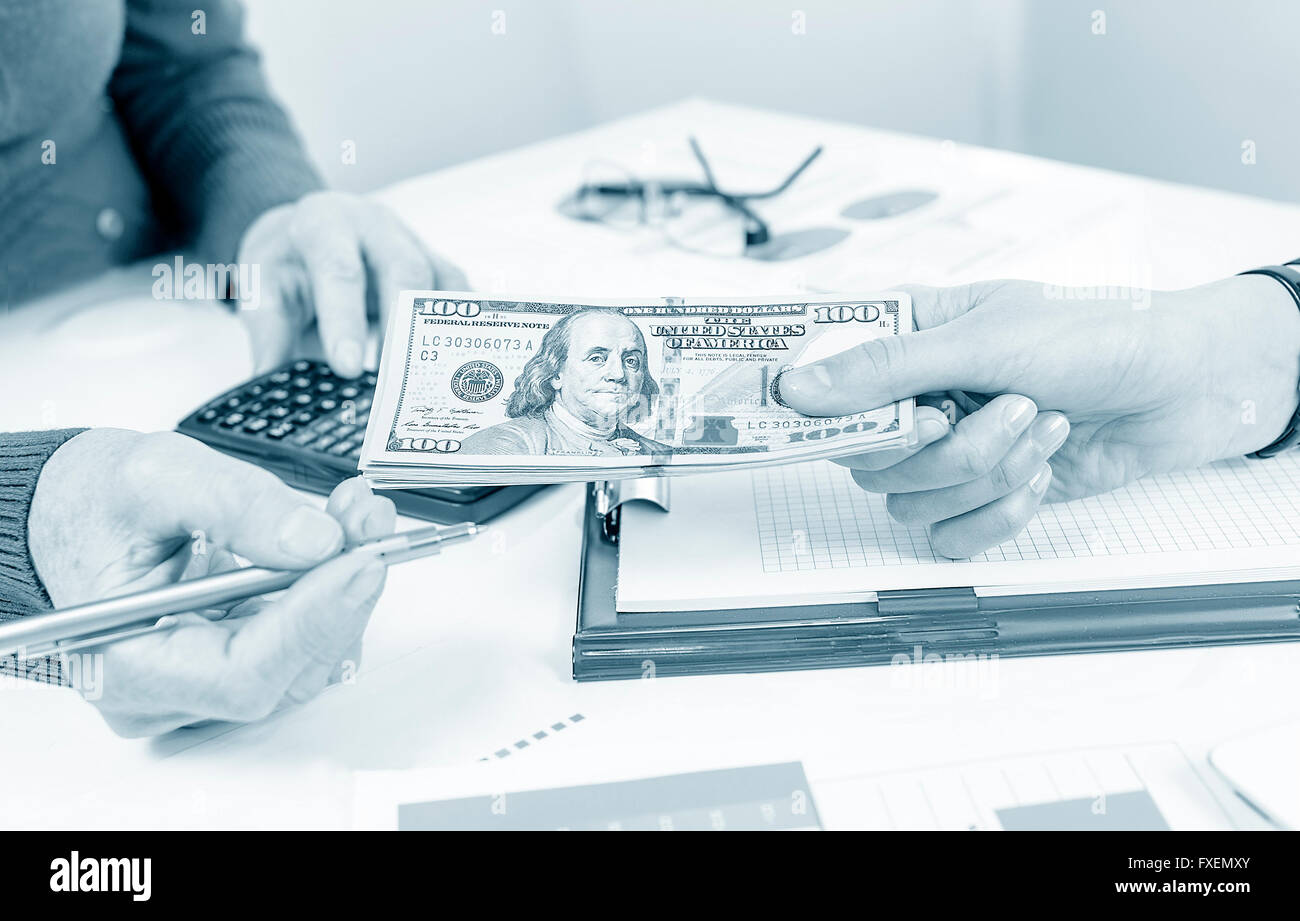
(1171, 90)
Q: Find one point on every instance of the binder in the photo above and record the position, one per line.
(915, 625)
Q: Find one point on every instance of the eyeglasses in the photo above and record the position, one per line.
(695, 216)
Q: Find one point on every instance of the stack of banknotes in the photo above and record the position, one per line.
(482, 390)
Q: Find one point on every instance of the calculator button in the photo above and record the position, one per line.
(280, 377)
(232, 402)
(349, 392)
(301, 366)
(208, 415)
(255, 425)
(232, 420)
(324, 372)
(255, 391)
(254, 408)
(323, 443)
(278, 412)
(278, 394)
(302, 383)
(302, 437)
(303, 418)
(343, 448)
(302, 399)
(325, 387)
(279, 431)
(328, 405)
(362, 403)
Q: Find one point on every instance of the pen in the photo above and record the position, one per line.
(132, 615)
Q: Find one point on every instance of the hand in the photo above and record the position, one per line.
(1192, 377)
(118, 512)
(338, 259)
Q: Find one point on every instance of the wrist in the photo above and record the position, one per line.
(1271, 315)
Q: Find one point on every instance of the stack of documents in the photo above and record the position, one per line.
(484, 391)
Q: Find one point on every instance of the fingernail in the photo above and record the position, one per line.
(310, 534)
(808, 383)
(363, 585)
(1039, 483)
(346, 356)
(1054, 435)
(1017, 415)
(931, 430)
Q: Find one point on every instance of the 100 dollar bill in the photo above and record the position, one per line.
(474, 381)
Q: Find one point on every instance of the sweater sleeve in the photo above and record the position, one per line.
(22, 455)
(217, 149)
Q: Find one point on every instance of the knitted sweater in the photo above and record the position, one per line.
(129, 127)
(22, 455)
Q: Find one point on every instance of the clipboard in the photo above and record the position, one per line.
(914, 624)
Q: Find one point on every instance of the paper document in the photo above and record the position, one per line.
(1151, 787)
(807, 534)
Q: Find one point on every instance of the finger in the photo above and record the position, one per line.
(949, 353)
(447, 275)
(185, 489)
(272, 314)
(364, 515)
(330, 249)
(399, 261)
(241, 669)
(315, 678)
(347, 494)
(976, 446)
(346, 671)
(273, 322)
(210, 562)
(1023, 462)
(931, 425)
(311, 626)
(379, 518)
(977, 531)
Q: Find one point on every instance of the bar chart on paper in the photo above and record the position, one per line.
(769, 797)
(1140, 788)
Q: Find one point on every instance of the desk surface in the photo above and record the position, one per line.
(469, 654)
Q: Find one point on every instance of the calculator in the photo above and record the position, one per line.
(306, 424)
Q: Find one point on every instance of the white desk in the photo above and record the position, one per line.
(469, 652)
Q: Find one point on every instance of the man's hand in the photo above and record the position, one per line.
(1147, 387)
(337, 259)
(118, 512)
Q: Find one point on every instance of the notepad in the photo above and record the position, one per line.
(808, 534)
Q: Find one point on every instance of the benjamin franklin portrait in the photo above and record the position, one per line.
(579, 393)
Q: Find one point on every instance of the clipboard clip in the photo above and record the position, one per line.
(611, 495)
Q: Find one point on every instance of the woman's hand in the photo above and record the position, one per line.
(117, 512)
(336, 259)
(1132, 386)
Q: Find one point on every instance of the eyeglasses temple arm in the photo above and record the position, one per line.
(789, 179)
(704, 164)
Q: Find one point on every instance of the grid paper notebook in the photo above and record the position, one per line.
(813, 516)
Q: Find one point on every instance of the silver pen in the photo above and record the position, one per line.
(131, 615)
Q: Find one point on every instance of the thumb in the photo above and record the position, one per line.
(180, 487)
(949, 353)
